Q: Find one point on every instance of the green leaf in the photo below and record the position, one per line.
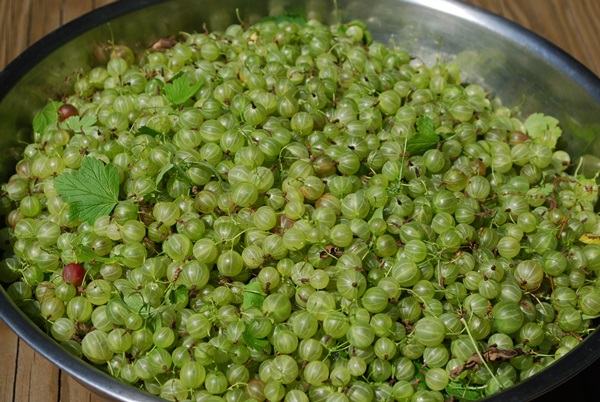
(135, 301)
(148, 131)
(180, 90)
(179, 295)
(86, 254)
(205, 165)
(463, 393)
(547, 189)
(162, 172)
(343, 354)
(154, 322)
(419, 369)
(46, 117)
(543, 129)
(252, 342)
(424, 139)
(377, 214)
(92, 191)
(425, 126)
(81, 124)
(253, 296)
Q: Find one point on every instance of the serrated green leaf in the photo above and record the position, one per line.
(148, 131)
(463, 393)
(135, 301)
(253, 296)
(252, 342)
(419, 369)
(182, 174)
(424, 139)
(547, 189)
(205, 165)
(419, 144)
(81, 124)
(86, 254)
(162, 172)
(179, 295)
(377, 214)
(92, 191)
(543, 129)
(154, 322)
(425, 126)
(46, 117)
(420, 376)
(343, 354)
(88, 120)
(180, 89)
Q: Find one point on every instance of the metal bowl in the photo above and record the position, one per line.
(519, 66)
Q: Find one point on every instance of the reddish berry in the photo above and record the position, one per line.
(73, 273)
(66, 111)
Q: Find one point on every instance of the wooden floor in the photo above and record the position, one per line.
(25, 376)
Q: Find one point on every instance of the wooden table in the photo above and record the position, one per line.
(27, 376)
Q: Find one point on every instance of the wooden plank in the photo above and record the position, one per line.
(100, 3)
(570, 25)
(44, 18)
(71, 390)
(32, 367)
(555, 17)
(27, 376)
(583, 17)
(524, 14)
(14, 19)
(72, 9)
(8, 350)
(35, 378)
(20, 35)
(4, 28)
(38, 378)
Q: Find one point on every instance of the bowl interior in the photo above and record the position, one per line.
(522, 69)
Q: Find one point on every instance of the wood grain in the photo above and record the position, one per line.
(25, 375)
(571, 25)
(9, 344)
(37, 376)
